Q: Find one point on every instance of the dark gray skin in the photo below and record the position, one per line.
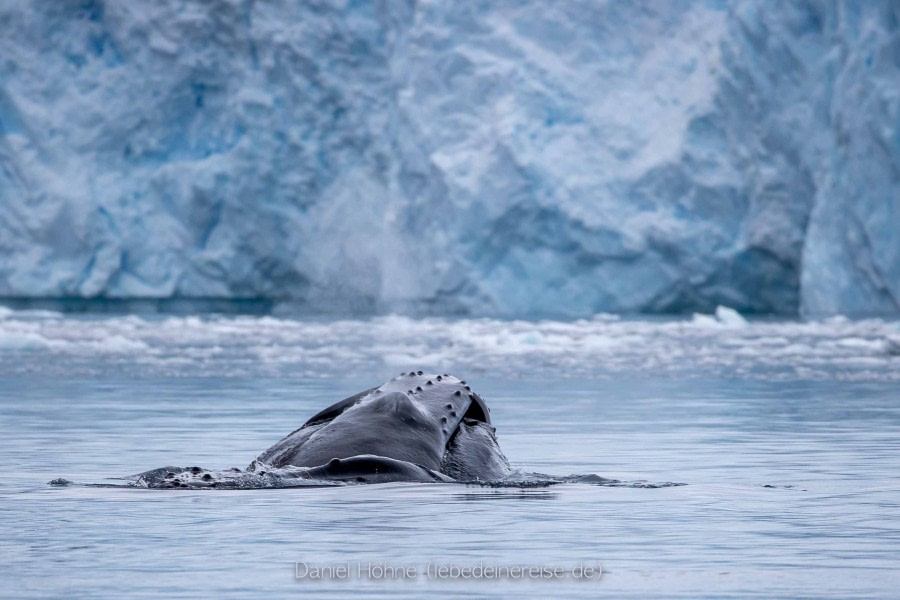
(416, 427)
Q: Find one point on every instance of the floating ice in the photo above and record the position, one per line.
(46, 343)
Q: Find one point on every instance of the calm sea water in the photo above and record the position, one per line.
(791, 487)
(792, 492)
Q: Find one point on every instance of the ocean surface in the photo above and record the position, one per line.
(785, 436)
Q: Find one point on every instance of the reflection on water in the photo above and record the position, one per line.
(509, 494)
(791, 491)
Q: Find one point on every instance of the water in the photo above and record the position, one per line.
(792, 486)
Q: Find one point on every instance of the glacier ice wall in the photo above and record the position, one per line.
(503, 158)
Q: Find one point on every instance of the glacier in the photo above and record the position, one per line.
(501, 159)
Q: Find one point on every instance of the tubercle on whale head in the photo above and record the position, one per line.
(477, 409)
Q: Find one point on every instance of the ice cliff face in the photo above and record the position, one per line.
(490, 158)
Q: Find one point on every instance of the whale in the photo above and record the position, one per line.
(417, 427)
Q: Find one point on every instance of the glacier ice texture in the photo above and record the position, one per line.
(504, 159)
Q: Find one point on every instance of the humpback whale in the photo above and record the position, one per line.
(417, 427)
